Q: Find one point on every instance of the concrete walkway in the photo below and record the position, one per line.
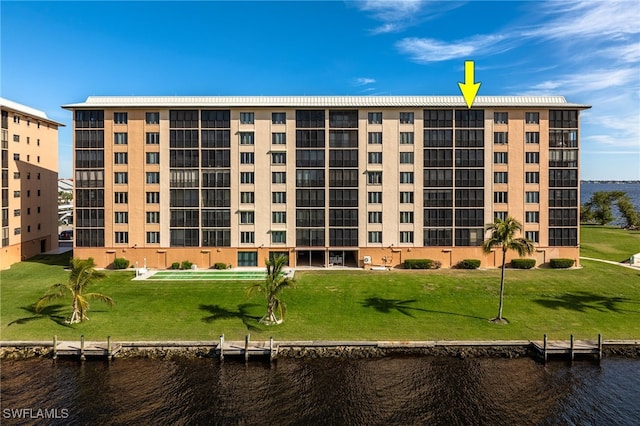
(611, 262)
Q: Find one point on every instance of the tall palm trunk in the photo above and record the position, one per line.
(504, 257)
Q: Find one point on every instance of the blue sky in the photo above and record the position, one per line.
(54, 53)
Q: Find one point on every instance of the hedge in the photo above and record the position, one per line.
(175, 265)
(523, 263)
(469, 264)
(220, 265)
(422, 264)
(186, 264)
(120, 263)
(561, 263)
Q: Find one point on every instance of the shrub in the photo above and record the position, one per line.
(469, 264)
(186, 264)
(220, 265)
(422, 264)
(175, 265)
(523, 263)
(120, 263)
(561, 263)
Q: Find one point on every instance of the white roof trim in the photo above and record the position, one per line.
(6, 103)
(321, 101)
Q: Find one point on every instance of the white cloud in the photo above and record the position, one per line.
(425, 50)
(397, 15)
(362, 81)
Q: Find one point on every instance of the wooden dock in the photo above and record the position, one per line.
(571, 348)
(246, 348)
(84, 349)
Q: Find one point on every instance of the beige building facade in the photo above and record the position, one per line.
(29, 183)
(336, 180)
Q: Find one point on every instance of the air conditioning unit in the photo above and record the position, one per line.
(367, 260)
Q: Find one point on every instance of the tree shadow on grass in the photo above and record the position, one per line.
(386, 306)
(217, 312)
(583, 301)
(52, 312)
(61, 259)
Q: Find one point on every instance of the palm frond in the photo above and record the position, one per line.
(101, 297)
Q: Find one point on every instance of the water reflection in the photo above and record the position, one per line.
(407, 391)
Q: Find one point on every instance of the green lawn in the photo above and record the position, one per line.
(606, 242)
(341, 305)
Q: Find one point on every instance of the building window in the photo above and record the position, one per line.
(500, 177)
(500, 197)
(247, 177)
(501, 117)
(532, 137)
(406, 197)
(532, 217)
(278, 237)
(121, 237)
(152, 138)
(374, 236)
(120, 177)
(16, 119)
(500, 137)
(246, 118)
(247, 218)
(16, 212)
(533, 236)
(406, 118)
(500, 157)
(374, 158)
(153, 197)
(152, 117)
(121, 217)
(153, 237)
(16, 157)
(120, 157)
(279, 217)
(406, 217)
(406, 177)
(500, 215)
(375, 118)
(16, 231)
(406, 158)
(16, 138)
(246, 158)
(247, 258)
(406, 236)
(532, 117)
(153, 177)
(279, 197)
(247, 197)
(278, 118)
(375, 217)
(247, 237)
(374, 178)
(532, 157)
(406, 138)
(246, 138)
(120, 138)
(16, 175)
(278, 158)
(153, 157)
(374, 197)
(279, 138)
(153, 217)
(278, 177)
(120, 117)
(375, 138)
(532, 177)
(532, 197)
(121, 197)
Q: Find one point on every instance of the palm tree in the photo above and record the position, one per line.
(274, 283)
(503, 233)
(83, 273)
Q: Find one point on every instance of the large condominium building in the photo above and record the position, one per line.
(29, 183)
(327, 180)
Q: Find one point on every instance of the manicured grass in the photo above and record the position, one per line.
(354, 305)
(609, 243)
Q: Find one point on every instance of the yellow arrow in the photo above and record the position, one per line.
(469, 88)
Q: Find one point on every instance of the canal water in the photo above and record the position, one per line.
(384, 391)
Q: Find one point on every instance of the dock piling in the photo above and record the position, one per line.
(82, 357)
(571, 350)
(246, 347)
(55, 346)
(599, 347)
(545, 348)
(221, 347)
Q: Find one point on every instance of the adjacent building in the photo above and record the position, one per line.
(29, 183)
(327, 180)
